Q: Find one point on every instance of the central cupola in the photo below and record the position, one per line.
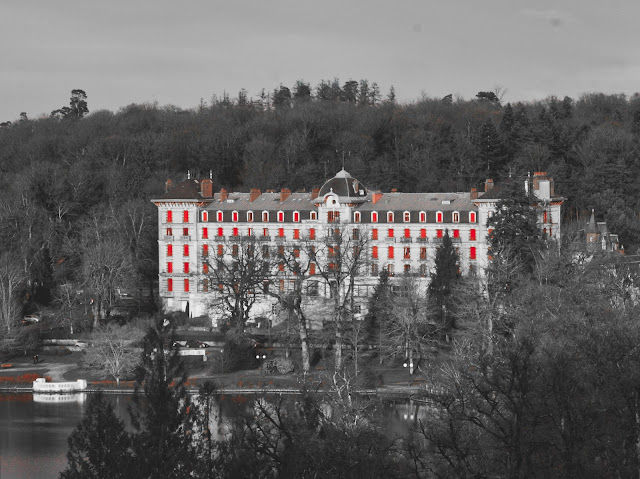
(347, 189)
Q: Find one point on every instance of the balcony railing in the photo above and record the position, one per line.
(405, 239)
(220, 238)
(422, 240)
(280, 239)
(168, 237)
(185, 238)
(390, 239)
(264, 238)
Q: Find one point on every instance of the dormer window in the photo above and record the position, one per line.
(250, 216)
(313, 216)
(280, 216)
(407, 217)
(356, 217)
(389, 216)
(234, 216)
(219, 216)
(455, 217)
(439, 217)
(472, 217)
(265, 216)
(205, 216)
(374, 217)
(423, 217)
(296, 217)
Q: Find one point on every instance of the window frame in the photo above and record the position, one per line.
(234, 216)
(313, 216)
(280, 216)
(357, 217)
(406, 216)
(219, 216)
(185, 216)
(374, 217)
(439, 217)
(205, 216)
(249, 216)
(265, 216)
(472, 217)
(455, 217)
(391, 217)
(422, 216)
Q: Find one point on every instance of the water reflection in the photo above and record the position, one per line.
(34, 427)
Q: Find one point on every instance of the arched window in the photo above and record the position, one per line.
(356, 217)
(280, 216)
(389, 216)
(455, 217)
(234, 216)
(314, 215)
(205, 216)
(439, 217)
(423, 217)
(472, 217)
(265, 216)
(296, 217)
(250, 216)
(374, 217)
(407, 217)
(219, 216)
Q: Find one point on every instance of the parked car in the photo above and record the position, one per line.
(194, 343)
(30, 319)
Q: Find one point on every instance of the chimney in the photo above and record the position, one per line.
(206, 188)
(377, 196)
(474, 194)
(168, 185)
(394, 190)
(488, 185)
(284, 194)
(253, 194)
(314, 193)
(223, 195)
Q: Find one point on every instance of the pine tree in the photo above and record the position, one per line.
(491, 150)
(163, 414)
(443, 279)
(99, 447)
(378, 316)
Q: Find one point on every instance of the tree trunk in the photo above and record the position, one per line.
(304, 342)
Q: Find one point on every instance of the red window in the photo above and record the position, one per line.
(407, 233)
(296, 234)
(235, 231)
(472, 217)
(423, 217)
(169, 284)
(219, 215)
(313, 215)
(374, 234)
(234, 216)
(281, 232)
(169, 232)
(389, 217)
(296, 216)
(185, 216)
(169, 250)
(374, 217)
(390, 232)
(280, 216)
(356, 217)
(407, 268)
(185, 251)
(544, 216)
(407, 217)
(265, 231)
(220, 232)
(456, 217)
(186, 267)
(186, 285)
(205, 233)
(169, 216)
(423, 253)
(312, 233)
(185, 231)
(169, 267)
(439, 233)
(265, 216)
(249, 231)
(333, 216)
(423, 233)
(220, 250)
(407, 253)
(472, 252)
(456, 233)
(374, 252)
(250, 216)
(296, 253)
(390, 256)
(490, 232)
(472, 234)
(439, 217)
(234, 250)
(312, 269)
(205, 250)
(205, 216)
(205, 285)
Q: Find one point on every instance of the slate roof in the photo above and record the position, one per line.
(420, 202)
(266, 201)
(347, 188)
(186, 190)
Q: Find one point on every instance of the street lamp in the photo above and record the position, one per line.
(261, 358)
(410, 365)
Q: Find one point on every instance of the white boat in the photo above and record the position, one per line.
(41, 385)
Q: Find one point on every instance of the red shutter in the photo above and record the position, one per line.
(296, 234)
(374, 234)
(390, 252)
(423, 233)
(390, 232)
(472, 234)
(220, 232)
(472, 252)
(456, 233)
(312, 269)
(169, 250)
(235, 231)
(281, 232)
(205, 250)
(169, 216)
(186, 285)
(185, 216)
(312, 233)
(407, 233)
(169, 285)
(374, 252)
(439, 218)
(186, 267)
(439, 233)
(205, 268)
(186, 250)
(169, 267)
(205, 233)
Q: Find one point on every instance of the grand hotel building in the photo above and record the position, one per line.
(399, 232)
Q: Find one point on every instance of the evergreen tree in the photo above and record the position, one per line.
(163, 414)
(99, 447)
(443, 279)
(491, 150)
(379, 311)
(514, 230)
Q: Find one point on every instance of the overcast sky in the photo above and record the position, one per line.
(177, 52)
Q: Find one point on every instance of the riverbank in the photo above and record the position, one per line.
(389, 380)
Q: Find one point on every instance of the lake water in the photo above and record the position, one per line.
(34, 429)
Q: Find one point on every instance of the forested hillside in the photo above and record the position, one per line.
(75, 210)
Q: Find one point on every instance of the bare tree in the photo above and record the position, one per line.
(338, 260)
(12, 278)
(115, 349)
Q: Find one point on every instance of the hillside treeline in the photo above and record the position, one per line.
(76, 188)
